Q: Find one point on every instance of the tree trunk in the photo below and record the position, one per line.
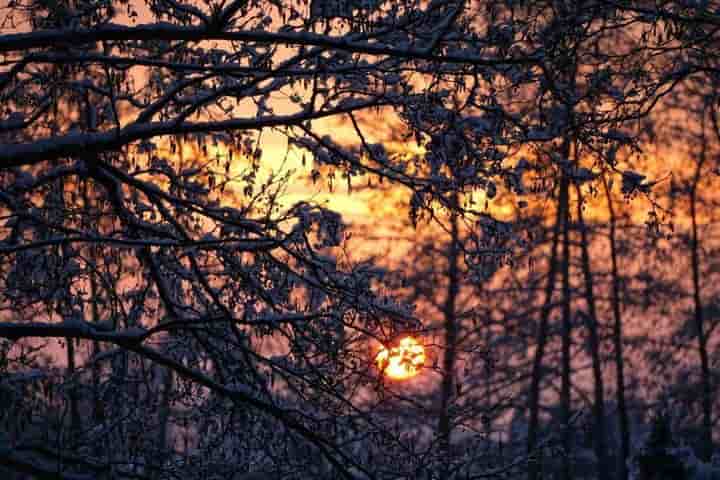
(163, 420)
(98, 408)
(618, 344)
(450, 325)
(75, 425)
(565, 393)
(592, 325)
(541, 341)
(707, 440)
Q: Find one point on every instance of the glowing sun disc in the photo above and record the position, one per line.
(403, 361)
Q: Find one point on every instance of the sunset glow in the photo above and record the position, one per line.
(403, 361)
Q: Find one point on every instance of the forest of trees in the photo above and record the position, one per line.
(187, 293)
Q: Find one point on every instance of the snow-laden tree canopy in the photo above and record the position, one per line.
(232, 311)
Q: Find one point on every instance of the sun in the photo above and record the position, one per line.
(403, 361)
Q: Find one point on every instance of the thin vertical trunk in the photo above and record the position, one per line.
(565, 391)
(707, 440)
(705, 376)
(592, 325)
(72, 390)
(98, 408)
(450, 325)
(618, 344)
(541, 341)
(98, 411)
(163, 419)
(62, 309)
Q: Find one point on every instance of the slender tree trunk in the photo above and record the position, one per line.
(541, 341)
(592, 325)
(450, 325)
(707, 399)
(565, 393)
(163, 419)
(63, 308)
(618, 344)
(98, 410)
(75, 425)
